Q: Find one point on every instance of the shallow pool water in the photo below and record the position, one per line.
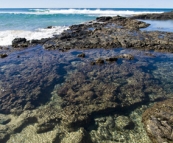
(36, 79)
(159, 25)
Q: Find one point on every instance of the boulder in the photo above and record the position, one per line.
(3, 55)
(20, 42)
(124, 123)
(158, 121)
(49, 27)
(82, 55)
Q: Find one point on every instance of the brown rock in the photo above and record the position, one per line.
(158, 122)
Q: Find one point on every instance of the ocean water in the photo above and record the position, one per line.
(31, 23)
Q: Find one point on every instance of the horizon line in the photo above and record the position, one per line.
(95, 7)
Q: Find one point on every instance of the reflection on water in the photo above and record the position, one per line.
(106, 100)
(159, 25)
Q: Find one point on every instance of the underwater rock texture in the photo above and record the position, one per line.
(158, 121)
(93, 102)
(104, 89)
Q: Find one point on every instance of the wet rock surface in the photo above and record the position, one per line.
(161, 16)
(20, 42)
(111, 32)
(82, 55)
(158, 121)
(105, 32)
(3, 55)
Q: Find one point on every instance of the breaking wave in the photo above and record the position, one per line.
(102, 12)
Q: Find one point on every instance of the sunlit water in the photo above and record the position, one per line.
(159, 25)
(31, 72)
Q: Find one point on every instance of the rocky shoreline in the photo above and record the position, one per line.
(90, 104)
(161, 16)
(105, 32)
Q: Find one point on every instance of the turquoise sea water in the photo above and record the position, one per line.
(31, 23)
(30, 19)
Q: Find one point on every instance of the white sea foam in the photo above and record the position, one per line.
(83, 11)
(7, 36)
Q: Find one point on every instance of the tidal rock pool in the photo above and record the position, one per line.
(55, 96)
(159, 25)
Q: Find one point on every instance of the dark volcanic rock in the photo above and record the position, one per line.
(100, 61)
(3, 55)
(126, 56)
(107, 32)
(35, 42)
(81, 55)
(158, 121)
(112, 59)
(111, 32)
(49, 27)
(103, 19)
(161, 16)
(20, 42)
(93, 63)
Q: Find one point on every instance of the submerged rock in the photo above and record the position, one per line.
(124, 123)
(4, 120)
(80, 136)
(158, 121)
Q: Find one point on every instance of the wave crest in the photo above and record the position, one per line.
(7, 36)
(99, 12)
